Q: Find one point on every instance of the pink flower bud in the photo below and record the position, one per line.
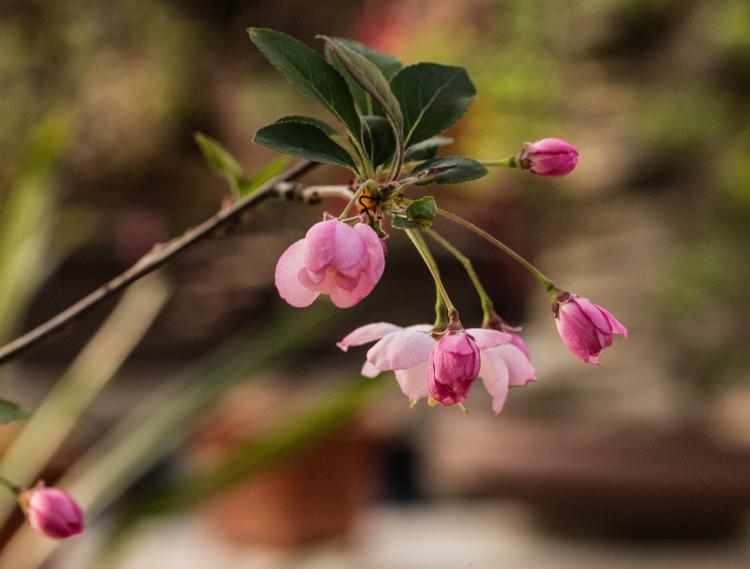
(548, 157)
(334, 258)
(585, 327)
(452, 367)
(52, 512)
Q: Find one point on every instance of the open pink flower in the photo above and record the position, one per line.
(52, 512)
(406, 351)
(549, 157)
(335, 259)
(585, 327)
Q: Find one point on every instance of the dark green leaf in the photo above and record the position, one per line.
(400, 221)
(426, 149)
(448, 170)
(432, 98)
(422, 211)
(10, 412)
(304, 140)
(387, 64)
(370, 78)
(377, 138)
(325, 127)
(310, 73)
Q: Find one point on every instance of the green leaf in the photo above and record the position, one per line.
(220, 160)
(325, 127)
(422, 211)
(377, 139)
(10, 412)
(387, 64)
(448, 170)
(370, 78)
(260, 177)
(432, 98)
(426, 149)
(310, 73)
(400, 221)
(304, 140)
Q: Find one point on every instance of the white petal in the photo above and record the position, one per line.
(401, 350)
(366, 334)
(494, 374)
(486, 338)
(413, 381)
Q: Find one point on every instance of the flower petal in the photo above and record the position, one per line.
(520, 370)
(401, 350)
(486, 338)
(495, 376)
(413, 381)
(287, 279)
(366, 334)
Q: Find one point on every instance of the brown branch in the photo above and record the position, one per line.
(158, 256)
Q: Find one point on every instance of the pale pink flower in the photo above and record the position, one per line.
(585, 327)
(549, 157)
(52, 512)
(335, 259)
(406, 351)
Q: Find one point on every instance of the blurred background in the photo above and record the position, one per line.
(204, 424)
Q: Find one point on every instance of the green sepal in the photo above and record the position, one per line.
(422, 211)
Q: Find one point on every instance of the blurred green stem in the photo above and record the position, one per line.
(549, 286)
(95, 365)
(488, 308)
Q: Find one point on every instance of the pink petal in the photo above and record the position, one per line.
(401, 350)
(366, 334)
(495, 375)
(413, 381)
(520, 370)
(369, 370)
(287, 279)
(486, 338)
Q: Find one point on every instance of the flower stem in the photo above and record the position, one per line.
(509, 162)
(488, 308)
(424, 251)
(14, 488)
(546, 283)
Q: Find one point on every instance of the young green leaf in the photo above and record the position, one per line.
(426, 149)
(10, 412)
(448, 170)
(432, 98)
(422, 211)
(387, 64)
(304, 140)
(260, 177)
(310, 73)
(219, 159)
(377, 139)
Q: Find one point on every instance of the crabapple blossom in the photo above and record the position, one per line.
(452, 367)
(585, 327)
(406, 351)
(334, 258)
(52, 512)
(548, 157)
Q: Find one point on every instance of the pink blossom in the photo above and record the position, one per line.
(548, 157)
(406, 351)
(334, 258)
(52, 512)
(585, 327)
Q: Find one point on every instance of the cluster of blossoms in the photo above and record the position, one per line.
(391, 116)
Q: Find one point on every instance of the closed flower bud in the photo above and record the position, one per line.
(549, 157)
(585, 327)
(52, 512)
(452, 367)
